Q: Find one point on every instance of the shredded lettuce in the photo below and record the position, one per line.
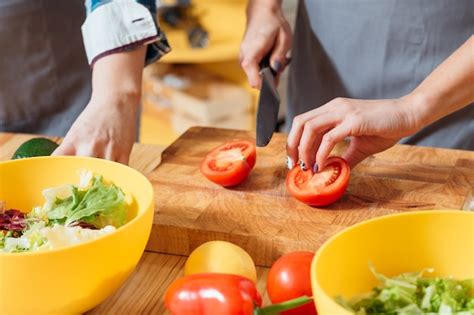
(70, 214)
(412, 294)
(100, 205)
(30, 240)
(41, 237)
(3, 236)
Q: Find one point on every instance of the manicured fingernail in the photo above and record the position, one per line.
(276, 65)
(315, 168)
(302, 165)
(287, 60)
(289, 163)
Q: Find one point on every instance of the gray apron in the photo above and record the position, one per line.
(377, 49)
(45, 81)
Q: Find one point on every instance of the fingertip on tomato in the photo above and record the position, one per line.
(322, 188)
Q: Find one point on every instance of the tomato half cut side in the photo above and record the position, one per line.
(230, 163)
(322, 188)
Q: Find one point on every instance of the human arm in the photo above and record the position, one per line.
(117, 52)
(107, 127)
(376, 125)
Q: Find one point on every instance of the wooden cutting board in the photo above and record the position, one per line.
(261, 217)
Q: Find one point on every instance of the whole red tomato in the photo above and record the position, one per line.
(289, 278)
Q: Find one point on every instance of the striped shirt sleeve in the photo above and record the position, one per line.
(118, 25)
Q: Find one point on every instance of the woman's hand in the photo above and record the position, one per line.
(107, 128)
(373, 125)
(267, 30)
(376, 125)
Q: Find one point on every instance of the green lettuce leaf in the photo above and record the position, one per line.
(100, 204)
(411, 294)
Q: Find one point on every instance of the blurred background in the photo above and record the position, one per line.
(200, 83)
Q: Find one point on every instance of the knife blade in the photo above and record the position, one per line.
(268, 104)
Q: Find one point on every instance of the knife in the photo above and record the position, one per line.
(268, 104)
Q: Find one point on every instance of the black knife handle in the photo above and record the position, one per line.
(265, 63)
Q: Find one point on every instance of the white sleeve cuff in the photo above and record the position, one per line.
(115, 25)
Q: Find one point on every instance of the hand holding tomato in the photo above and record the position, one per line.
(373, 125)
(322, 188)
(289, 278)
(230, 164)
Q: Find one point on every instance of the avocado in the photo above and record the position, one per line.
(35, 147)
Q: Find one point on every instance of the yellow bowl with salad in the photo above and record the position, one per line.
(87, 227)
(415, 262)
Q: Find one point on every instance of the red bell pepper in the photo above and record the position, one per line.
(223, 294)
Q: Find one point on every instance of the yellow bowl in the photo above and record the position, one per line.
(73, 279)
(394, 244)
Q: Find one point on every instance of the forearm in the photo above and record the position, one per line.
(273, 5)
(447, 89)
(119, 77)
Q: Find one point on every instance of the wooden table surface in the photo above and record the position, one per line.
(144, 290)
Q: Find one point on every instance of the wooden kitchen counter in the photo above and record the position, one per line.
(144, 290)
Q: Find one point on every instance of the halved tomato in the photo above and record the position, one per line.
(230, 163)
(322, 188)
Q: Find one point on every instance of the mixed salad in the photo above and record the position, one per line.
(70, 215)
(413, 294)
